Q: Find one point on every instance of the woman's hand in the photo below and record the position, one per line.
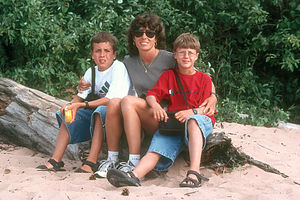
(209, 105)
(82, 85)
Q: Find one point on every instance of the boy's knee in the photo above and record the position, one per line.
(97, 117)
(192, 122)
(193, 126)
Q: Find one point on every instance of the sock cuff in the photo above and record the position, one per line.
(113, 155)
(134, 157)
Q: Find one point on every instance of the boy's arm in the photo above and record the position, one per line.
(210, 102)
(159, 113)
(76, 99)
(77, 103)
(183, 115)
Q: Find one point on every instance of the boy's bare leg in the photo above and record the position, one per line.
(137, 115)
(146, 164)
(113, 124)
(61, 144)
(97, 140)
(195, 146)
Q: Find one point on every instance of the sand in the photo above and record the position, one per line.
(278, 147)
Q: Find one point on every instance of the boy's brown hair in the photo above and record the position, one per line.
(188, 41)
(105, 37)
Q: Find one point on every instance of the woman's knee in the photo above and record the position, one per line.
(114, 106)
(128, 102)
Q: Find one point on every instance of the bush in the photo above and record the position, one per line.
(250, 48)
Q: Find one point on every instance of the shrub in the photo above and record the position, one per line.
(250, 48)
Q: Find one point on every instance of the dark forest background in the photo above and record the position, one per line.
(249, 48)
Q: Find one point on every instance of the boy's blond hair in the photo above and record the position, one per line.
(188, 41)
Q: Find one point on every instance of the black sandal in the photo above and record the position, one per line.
(196, 183)
(56, 166)
(93, 166)
(119, 178)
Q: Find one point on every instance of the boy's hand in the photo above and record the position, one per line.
(160, 114)
(82, 85)
(74, 107)
(182, 115)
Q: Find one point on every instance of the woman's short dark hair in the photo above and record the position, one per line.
(105, 37)
(153, 22)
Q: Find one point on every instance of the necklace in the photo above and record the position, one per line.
(149, 65)
(145, 67)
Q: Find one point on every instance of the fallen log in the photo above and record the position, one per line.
(27, 118)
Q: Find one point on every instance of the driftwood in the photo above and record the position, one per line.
(220, 155)
(27, 118)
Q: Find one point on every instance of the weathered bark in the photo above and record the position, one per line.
(27, 117)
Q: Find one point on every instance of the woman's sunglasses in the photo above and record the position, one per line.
(139, 33)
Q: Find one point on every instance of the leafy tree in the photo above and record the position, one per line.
(250, 48)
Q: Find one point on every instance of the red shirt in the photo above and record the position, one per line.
(197, 88)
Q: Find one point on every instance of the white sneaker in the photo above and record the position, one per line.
(104, 166)
(126, 166)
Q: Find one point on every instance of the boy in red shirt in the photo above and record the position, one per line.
(165, 148)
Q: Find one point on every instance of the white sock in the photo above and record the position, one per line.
(113, 155)
(134, 158)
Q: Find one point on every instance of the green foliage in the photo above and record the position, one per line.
(250, 48)
(245, 113)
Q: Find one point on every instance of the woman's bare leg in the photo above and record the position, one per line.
(137, 115)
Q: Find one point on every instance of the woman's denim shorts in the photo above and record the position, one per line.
(83, 127)
(169, 147)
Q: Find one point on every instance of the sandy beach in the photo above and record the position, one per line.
(278, 147)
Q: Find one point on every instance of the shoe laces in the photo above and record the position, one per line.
(126, 166)
(105, 164)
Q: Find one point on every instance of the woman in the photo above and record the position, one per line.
(146, 62)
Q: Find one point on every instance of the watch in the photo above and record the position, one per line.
(214, 94)
(195, 111)
(86, 105)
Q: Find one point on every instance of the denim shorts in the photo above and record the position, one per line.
(82, 128)
(169, 147)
